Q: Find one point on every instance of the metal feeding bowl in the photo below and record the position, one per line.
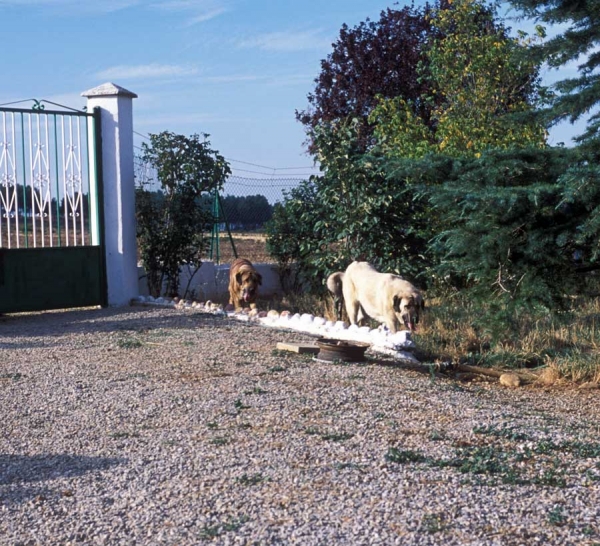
(337, 350)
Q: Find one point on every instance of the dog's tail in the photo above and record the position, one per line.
(334, 285)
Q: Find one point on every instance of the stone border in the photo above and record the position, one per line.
(396, 345)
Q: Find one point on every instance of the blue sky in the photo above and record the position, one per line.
(236, 69)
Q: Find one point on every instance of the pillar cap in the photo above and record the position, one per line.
(109, 90)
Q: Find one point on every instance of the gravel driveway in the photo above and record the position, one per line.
(165, 426)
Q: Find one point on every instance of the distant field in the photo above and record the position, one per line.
(252, 246)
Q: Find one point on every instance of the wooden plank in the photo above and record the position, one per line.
(298, 348)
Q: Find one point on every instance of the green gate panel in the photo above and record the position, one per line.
(51, 278)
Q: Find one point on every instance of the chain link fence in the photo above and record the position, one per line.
(239, 214)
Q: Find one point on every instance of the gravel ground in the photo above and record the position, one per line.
(164, 426)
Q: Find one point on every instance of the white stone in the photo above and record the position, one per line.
(306, 318)
(319, 321)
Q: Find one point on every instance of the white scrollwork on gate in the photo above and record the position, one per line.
(9, 213)
(44, 179)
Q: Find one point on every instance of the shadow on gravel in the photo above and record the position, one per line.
(37, 468)
(50, 325)
(22, 477)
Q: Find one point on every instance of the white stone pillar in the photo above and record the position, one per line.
(116, 107)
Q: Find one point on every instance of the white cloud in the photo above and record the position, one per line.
(198, 11)
(147, 71)
(88, 6)
(207, 16)
(287, 41)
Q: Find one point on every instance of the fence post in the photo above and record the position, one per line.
(116, 119)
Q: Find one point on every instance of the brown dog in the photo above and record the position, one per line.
(243, 283)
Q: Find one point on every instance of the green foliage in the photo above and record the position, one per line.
(398, 131)
(352, 211)
(509, 236)
(292, 234)
(580, 187)
(247, 212)
(171, 221)
(483, 79)
(478, 80)
(577, 43)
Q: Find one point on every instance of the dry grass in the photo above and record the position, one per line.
(555, 350)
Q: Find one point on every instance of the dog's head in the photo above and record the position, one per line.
(408, 309)
(248, 281)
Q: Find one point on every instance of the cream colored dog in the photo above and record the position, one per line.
(384, 297)
(334, 285)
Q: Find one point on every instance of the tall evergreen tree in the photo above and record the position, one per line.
(578, 43)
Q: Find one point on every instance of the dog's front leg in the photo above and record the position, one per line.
(392, 323)
(236, 302)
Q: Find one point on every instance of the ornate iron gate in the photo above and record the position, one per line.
(51, 225)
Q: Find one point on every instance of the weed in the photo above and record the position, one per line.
(210, 531)
(129, 343)
(255, 390)
(213, 425)
(277, 369)
(588, 531)
(582, 450)
(220, 441)
(234, 524)
(13, 376)
(437, 436)
(503, 431)
(280, 353)
(123, 434)
(545, 447)
(337, 437)
(478, 460)
(402, 456)
(433, 523)
(253, 479)
(239, 405)
(550, 478)
(353, 466)
(311, 430)
(557, 516)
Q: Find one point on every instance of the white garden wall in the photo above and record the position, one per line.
(211, 281)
